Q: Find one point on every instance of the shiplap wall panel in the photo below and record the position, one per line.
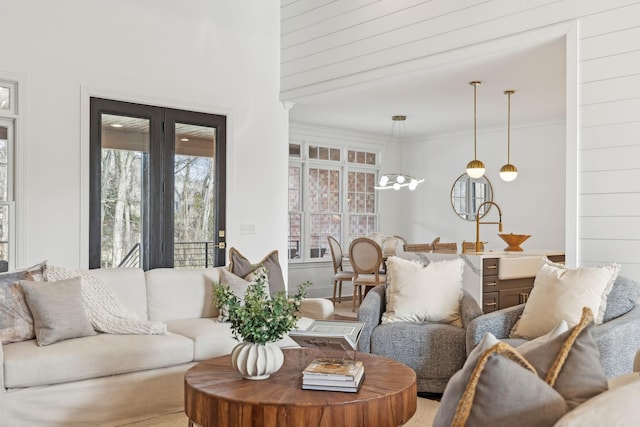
(609, 199)
(490, 20)
(300, 8)
(624, 64)
(612, 205)
(610, 44)
(615, 89)
(389, 43)
(616, 181)
(343, 20)
(609, 21)
(610, 158)
(293, 30)
(607, 113)
(620, 251)
(610, 228)
(620, 134)
(384, 24)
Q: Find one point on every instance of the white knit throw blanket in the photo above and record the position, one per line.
(106, 312)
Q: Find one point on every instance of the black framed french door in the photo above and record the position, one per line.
(157, 186)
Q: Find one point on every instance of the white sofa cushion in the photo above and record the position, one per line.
(174, 294)
(128, 284)
(212, 338)
(27, 365)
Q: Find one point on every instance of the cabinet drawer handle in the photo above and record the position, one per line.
(491, 284)
(490, 304)
(492, 267)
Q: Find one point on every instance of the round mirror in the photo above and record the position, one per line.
(468, 193)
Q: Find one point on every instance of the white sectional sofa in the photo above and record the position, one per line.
(111, 380)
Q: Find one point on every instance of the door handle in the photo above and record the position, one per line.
(220, 245)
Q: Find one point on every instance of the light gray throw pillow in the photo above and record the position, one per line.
(241, 266)
(16, 322)
(497, 387)
(57, 309)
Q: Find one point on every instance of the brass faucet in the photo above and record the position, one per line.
(478, 244)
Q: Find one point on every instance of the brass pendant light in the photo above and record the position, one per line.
(475, 168)
(508, 172)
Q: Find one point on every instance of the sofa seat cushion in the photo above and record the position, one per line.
(432, 350)
(27, 365)
(212, 338)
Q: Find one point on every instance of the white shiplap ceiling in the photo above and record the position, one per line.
(439, 100)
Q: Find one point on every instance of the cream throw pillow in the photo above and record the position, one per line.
(418, 293)
(560, 294)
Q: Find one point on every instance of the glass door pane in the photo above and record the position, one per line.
(194, 196)
(125, 152)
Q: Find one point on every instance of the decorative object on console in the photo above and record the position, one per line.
(475, 168)
(397, 180)
(508, 172)
(259, 319)
(514, 241)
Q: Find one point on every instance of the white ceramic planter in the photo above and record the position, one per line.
(256, 361)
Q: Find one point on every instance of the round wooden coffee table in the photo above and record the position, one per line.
(216, 395)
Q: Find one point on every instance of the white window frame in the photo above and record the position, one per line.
(344, 167)
(9, 119)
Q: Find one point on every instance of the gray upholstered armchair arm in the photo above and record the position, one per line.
(499, 323)
(370, 312)
(469, 309)
(618, 341)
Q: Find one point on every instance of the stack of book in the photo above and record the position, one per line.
(333, 375)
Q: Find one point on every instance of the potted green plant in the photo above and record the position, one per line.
(258, 320)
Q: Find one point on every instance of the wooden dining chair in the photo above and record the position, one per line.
(445, 248)
(339, 274)
(365, 256)
(389, 246)
(418, 247)
(471, 247)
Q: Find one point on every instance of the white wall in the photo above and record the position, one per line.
(217, 57)
(338, 44)
(532, 204)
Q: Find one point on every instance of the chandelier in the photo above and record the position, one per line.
(397, 180)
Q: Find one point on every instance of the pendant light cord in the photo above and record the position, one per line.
(475, 119)
(509, 128)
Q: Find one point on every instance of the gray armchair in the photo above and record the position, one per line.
(618, 337)
(435, 351)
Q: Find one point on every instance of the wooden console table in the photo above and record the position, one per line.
(217, 396)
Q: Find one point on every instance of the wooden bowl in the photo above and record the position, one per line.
(514, 241)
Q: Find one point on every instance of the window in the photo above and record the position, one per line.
(329, 196)
(8, 118)
(157, 187)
